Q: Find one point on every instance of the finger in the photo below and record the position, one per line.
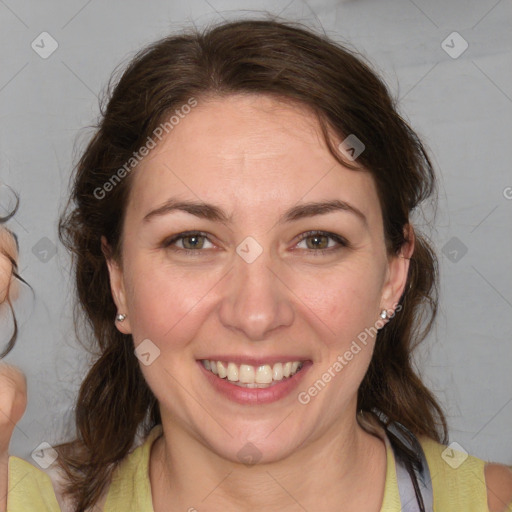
(13, 401)
(8, 254)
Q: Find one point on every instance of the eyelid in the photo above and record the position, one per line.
(168, 242)
(341, 241)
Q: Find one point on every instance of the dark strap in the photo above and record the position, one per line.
(421, 472)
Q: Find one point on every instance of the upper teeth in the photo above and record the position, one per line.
(248, 374)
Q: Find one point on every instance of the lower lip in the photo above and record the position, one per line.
(255, 396)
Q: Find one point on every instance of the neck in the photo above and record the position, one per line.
(344, 469)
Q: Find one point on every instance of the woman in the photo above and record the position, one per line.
(245, 259)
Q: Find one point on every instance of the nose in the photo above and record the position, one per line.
(256, 299)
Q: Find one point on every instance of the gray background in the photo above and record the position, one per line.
(460, 106)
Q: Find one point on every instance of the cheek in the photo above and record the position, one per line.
(164, 303)
(168, 302)
(349, 304)
(346, 300)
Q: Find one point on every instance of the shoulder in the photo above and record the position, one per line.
(460, 479)
(138, 458)
(498, 479)
(29, 489)
(130, 488)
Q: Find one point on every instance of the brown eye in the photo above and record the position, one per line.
(319, 241)
(191, 242)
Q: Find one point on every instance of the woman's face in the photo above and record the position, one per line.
(253, 290)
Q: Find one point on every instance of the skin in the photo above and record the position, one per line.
(252, 318)
(255, 158)
(8, 286)
(13, 385)
(498, 479)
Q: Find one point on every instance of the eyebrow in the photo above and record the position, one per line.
(216, 214)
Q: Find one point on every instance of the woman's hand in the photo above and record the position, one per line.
(13, 402)
(8, 250)
(13, 391)
(13, 385)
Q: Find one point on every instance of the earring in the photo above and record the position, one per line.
(383, 314)
(120, 317)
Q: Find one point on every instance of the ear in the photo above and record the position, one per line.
(116, 287)
(398, 269)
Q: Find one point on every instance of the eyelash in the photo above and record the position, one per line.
(337, 238)
(308, 234)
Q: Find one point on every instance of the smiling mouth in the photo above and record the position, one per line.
(249, 376)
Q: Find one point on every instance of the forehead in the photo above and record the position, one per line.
(247, 151)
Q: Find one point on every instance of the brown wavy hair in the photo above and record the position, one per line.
(264, 56)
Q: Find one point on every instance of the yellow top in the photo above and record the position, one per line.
(457, 484)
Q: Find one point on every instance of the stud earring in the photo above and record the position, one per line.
(120, 317)
(383, 314)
